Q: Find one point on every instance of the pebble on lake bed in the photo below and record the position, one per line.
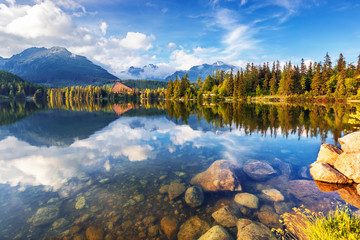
(80, 203)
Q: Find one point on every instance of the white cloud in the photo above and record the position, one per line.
(184, 60)
(171, 46)
(103, 27)
(136, 40)
(164, 10)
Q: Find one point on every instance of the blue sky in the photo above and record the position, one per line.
(178, 34)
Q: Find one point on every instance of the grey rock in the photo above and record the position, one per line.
(194, 196)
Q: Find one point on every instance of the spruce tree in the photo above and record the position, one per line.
(170, 89)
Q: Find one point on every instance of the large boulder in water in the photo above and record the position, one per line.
(250, 230)
(349, 165)
(350, 142)
(220, 176)
(323, 172)
(328, 154)
(258, 170)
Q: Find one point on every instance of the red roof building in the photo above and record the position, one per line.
(118, 87)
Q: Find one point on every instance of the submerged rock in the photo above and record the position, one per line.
(350, 195)
(59, 223)
(329, 187)
(164, 189)
(268, 217)
(94, 233)
(227, 216)
(283, 207)
(192, 229)
(45, 215)
(307, 192)
(273, 194)
(328, 154)
(247, 200)
(175, 190)
(220, 176)
(170, 226)
(258, 170)
(194, 196)
(349, 165)
(350, 142)
(80, 203)
(251, 230)
(216, 233)
(323, 172)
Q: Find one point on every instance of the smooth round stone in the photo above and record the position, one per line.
(247, 200)
(194, 196)
(273, 194)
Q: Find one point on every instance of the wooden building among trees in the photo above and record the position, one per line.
(118, 87)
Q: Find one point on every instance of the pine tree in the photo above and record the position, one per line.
(170, 89)
(316, 81)
(273, 81)
(229, 84)
(184, 85)
(341, 64)
(199, 83)
(326, 74)
(177, 89)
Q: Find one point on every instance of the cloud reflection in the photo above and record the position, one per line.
(132, 139)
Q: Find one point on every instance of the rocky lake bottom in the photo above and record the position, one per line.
(133, 177)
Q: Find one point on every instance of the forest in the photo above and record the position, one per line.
(315, 79)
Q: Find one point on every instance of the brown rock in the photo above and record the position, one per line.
(250, 230)
(350, 142)
(94, 233)
(247, 199)
(283, 207)
(258, 170)
(268, 217)
(323, 172)
(273, 194)
(170, 226)
(216, 233)
(349, 165)
(227, 216)
(192, 229)
(309, 194)
(329, 187)
(220, 176)
(350, 195)
(328, 154)
(175, 190)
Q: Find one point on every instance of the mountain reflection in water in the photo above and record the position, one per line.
(104, 164)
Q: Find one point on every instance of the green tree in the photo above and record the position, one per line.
(170, 89)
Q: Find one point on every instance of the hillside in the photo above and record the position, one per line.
(55, 67)
(14, 86)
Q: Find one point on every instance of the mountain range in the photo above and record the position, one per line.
(203, 70)
(55, 67)
(58, 67)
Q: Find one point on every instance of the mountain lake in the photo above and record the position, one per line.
(106, 171)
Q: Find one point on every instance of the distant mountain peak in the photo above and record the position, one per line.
(218, 63)
(55, 66)
(203, 70)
